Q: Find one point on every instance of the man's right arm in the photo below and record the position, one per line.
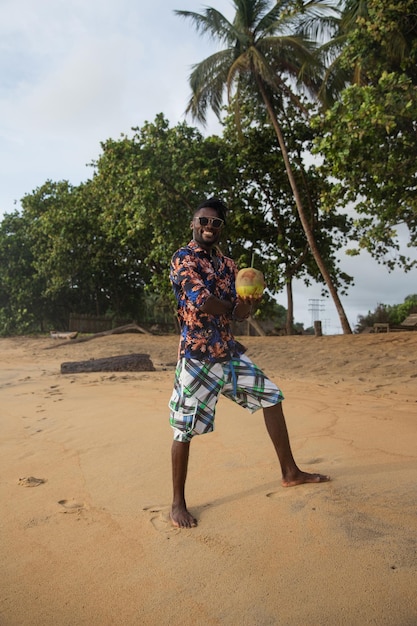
(238, 309)
(215, 306)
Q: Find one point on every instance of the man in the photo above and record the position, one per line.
(211, 361)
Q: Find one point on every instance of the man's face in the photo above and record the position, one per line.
(206, 234)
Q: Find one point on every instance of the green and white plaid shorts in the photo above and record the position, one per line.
(197, 387)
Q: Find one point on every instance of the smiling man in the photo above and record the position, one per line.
(210, 360)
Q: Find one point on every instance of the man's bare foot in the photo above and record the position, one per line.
(181, 518)
(303, 477)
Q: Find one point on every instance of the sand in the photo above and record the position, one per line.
(86, 488)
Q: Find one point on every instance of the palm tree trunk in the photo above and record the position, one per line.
(303, 218)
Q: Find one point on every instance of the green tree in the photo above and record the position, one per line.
(403, 310)
(80, 270)
(104, 247)
(23, 307)
(380, 37)
(336, 32)
(369, 138)
(147, 187)
(265, 220)
(261, 48)
(388, 314)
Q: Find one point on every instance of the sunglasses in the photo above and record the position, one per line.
(215, 222)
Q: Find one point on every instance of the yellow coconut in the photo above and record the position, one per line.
(250, 283)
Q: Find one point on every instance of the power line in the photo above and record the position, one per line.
(316, 306)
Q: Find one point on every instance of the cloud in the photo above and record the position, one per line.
(76, 73)
(373, 285)
(83, 93)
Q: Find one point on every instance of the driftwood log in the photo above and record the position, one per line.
(56, 334)
(114, 331)
(122, 363)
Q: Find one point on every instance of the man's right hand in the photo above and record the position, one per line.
(243, 307)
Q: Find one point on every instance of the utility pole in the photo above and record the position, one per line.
(316, 306)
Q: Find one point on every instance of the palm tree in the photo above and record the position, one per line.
(339, 28)
(260, 47)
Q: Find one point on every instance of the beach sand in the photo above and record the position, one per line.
(86, 489)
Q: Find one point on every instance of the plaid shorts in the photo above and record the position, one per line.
(197, 387)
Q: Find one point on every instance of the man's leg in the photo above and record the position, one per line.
(180, 516)
(277, 430)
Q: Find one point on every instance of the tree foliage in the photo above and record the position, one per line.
(393, 314)
(147, 187)
(265, 220)
(104, 247)
(369, 138)
(22, 303)
(264, 50)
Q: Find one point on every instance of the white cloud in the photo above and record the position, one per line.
(373, 285)
(84, 92)
(76, 73)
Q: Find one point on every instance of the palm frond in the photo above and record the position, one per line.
(287, 54)
(334, 81)
(239, 66)
(276, 41)
(207, 81)
(273, 21)
(352, 10)
(211, 23)
(249, 13)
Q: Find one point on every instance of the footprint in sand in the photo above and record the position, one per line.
(71, 506)
(161, 522)
(277, 494)
(31, 481)
(314, 461)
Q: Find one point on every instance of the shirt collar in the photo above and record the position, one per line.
(197, 248)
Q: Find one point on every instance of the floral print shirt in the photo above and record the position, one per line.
(196, 274)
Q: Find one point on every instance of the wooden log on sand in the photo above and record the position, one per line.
(57, 334)
(105, 333)
(122, 363)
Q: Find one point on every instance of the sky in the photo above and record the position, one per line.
(74, 74)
